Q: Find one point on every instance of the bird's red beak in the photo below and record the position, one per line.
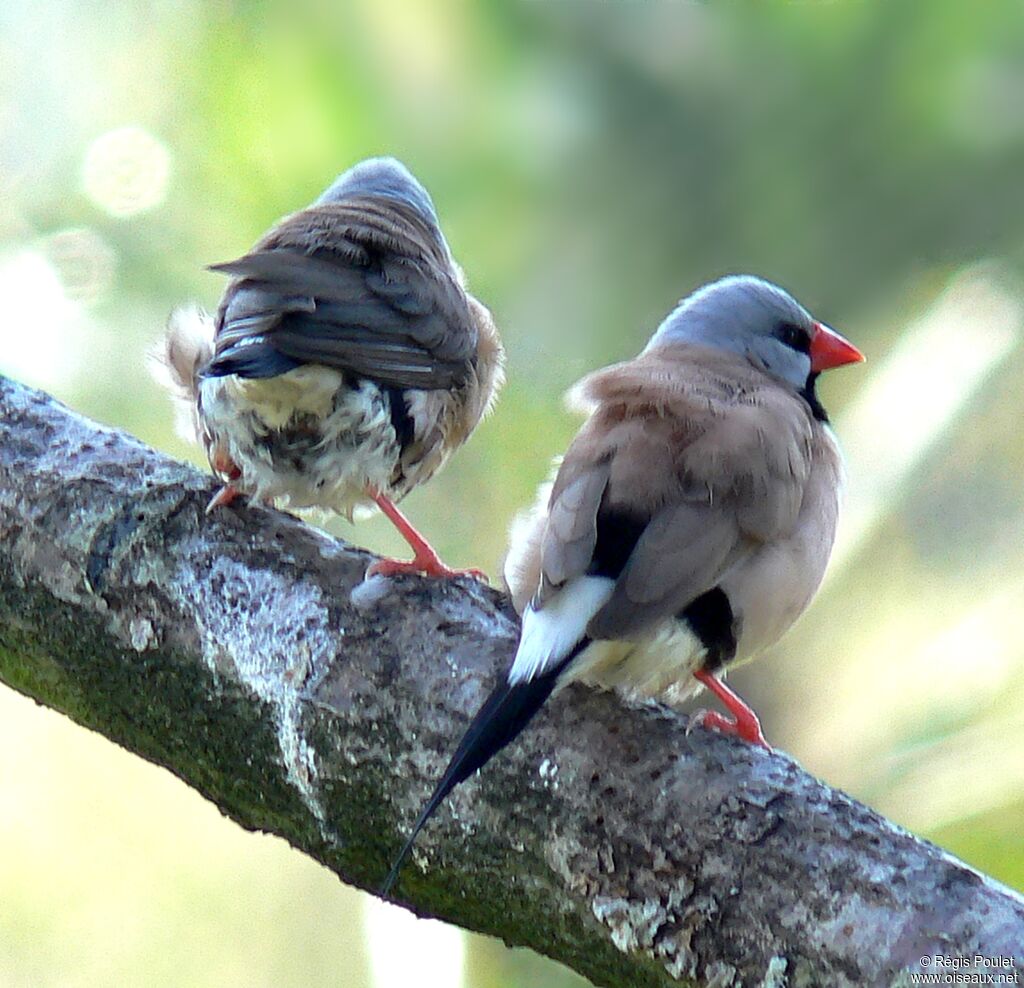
(829, 349)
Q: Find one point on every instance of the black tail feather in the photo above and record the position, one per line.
(498, 723)
(253, 360)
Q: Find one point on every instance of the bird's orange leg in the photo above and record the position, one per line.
(225, 467)
(743, 723)
(425, 560)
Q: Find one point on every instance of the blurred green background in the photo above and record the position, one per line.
(591, 162)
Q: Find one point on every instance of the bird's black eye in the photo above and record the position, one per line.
(793, 336)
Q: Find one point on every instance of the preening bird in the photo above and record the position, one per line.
(689, 523)
(346, 362)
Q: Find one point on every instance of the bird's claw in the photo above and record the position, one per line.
(746, 728)
(223, 497)
(423, 565)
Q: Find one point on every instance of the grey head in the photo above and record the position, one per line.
(751, 317)
(386, 177)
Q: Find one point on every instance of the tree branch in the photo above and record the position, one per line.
(242, 652)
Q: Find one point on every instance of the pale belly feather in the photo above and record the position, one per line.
(660, 665)
(304, 436)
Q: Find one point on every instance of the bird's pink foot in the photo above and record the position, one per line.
(742, 724)
(747, 730)
(228, 471)
(429, 564)
(425, 560)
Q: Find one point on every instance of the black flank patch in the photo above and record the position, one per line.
(712, 621)
(401, 421)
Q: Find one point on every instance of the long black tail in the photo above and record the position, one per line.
(498, 722)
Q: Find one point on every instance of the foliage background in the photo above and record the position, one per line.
(592, 162)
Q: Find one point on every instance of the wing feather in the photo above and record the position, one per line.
(358, 287)
(698, 469)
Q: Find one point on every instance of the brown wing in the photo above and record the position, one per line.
(360, 286)
(680, 472)
(570, 533)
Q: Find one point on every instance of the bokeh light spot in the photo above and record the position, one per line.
(126, 171)
(84, 262)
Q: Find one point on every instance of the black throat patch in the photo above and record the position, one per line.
(810, 395)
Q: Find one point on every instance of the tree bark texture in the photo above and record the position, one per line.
(243, 651)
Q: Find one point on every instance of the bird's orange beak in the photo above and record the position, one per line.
(829, 349)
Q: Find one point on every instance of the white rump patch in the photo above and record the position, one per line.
(550, 634)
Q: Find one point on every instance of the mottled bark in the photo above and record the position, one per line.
(242, 652)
